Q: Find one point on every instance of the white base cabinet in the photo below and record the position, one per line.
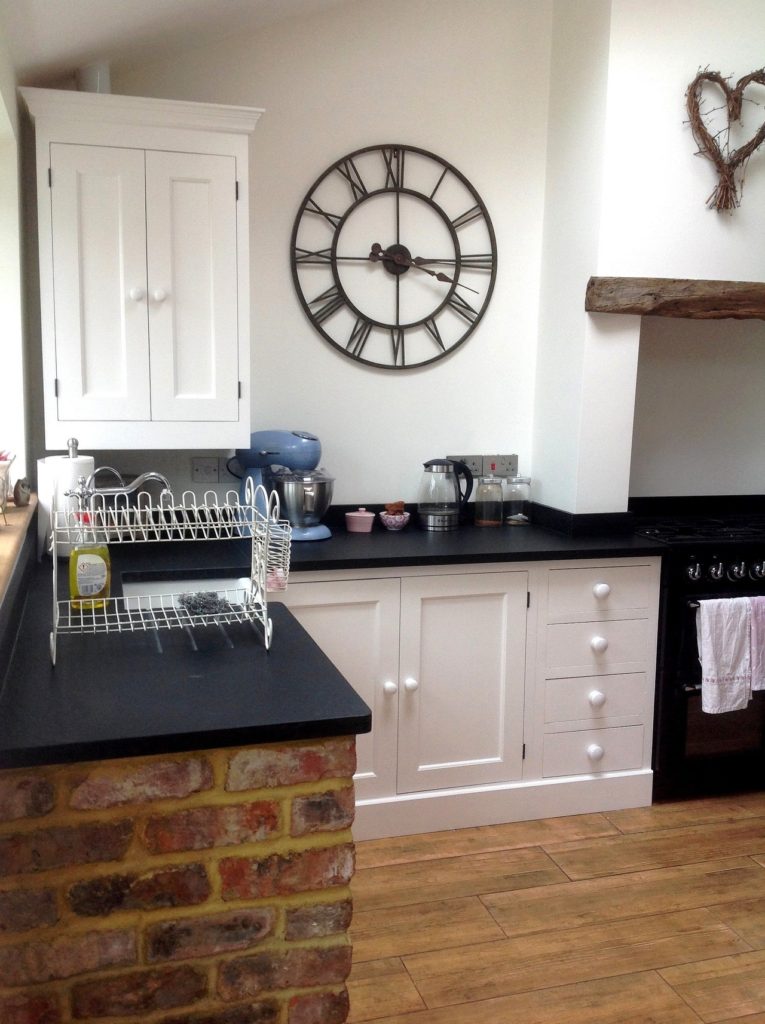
(493, 696)
(144, 270)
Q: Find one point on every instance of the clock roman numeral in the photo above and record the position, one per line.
(432, 328)
(462, 307)
(332, 299)
(477, 261)
(467, 217)
(438, 183)
(397, 346)
(312, 206)
(359, 335)
(350, 172)
(322, 256)
(394, 166)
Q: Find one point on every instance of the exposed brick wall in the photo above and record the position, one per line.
(200, 888)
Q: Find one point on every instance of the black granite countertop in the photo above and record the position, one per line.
(122, 695)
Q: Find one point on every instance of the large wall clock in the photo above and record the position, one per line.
(393, 256)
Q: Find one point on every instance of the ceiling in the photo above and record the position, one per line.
(49, 39)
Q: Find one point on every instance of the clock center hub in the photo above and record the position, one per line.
(399, 259)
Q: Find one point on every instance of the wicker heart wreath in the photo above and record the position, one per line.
(726, 194)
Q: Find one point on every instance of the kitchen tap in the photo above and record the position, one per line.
(122, 487)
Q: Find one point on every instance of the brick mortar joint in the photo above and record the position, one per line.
(64, 816)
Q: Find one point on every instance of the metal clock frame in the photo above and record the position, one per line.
(335, 297)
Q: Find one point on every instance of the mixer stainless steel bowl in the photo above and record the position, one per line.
(304, 496)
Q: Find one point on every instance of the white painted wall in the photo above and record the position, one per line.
(467, 81)
(699, 415)
(648, 210)
(571, 192)
(12, 411)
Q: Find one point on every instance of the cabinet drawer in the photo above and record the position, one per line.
(589, 698)
(591, 648)
(579, 593)
(592, 750)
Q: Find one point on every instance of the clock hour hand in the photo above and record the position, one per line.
(377, 253)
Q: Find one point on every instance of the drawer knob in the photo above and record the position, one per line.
(595, 752)
(410, 685)
(599, 644)
(601, 590)
(596, 698)
(390, 687)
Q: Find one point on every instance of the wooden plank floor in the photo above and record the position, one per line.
(646, 916)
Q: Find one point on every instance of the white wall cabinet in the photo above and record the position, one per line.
(144, 270)
(493, 698)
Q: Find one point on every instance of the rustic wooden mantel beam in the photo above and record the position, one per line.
(676, 297)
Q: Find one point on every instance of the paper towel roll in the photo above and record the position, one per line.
(55, 475)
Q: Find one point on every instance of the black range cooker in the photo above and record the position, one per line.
(716, 551)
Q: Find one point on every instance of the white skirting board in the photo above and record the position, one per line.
(414, 813)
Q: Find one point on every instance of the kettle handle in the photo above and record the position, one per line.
(462, 470)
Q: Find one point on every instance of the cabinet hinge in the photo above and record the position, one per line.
(523, 753)
(239, 389)
(528, 599)
(50, 177)
(236, 183)
(55, 387)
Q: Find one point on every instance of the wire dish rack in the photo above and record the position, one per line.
(168, 520)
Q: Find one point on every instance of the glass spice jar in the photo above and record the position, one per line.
(518, 500)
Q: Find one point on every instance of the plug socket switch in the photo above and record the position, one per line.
(473, 462)
(503, 465)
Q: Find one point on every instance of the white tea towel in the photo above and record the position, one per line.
(758, 643)
(723, 633)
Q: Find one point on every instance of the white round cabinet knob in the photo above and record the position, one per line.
(596, 698)
(159, 294)
(136, 294)
(389, 687)
(595, 752)
(599, 644)
(410, 685)
(601, 590)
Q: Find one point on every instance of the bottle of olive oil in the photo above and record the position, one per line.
(90, 569)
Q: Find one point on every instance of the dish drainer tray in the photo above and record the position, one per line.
(165, 521)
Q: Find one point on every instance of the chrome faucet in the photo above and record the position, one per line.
(122, 487)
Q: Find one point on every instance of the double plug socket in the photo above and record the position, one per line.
(483, 465)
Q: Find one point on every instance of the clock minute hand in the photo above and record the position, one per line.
(377, 253)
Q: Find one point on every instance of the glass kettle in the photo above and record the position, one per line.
(441, 500)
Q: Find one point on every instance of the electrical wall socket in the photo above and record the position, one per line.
(504, 465)
(473, 462)
(204, 469)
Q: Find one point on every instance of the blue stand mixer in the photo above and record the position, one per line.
(286, 461)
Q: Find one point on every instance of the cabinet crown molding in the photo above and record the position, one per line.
(64, 104)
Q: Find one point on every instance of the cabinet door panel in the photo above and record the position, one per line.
(463, 641)
(192, 278)
(99, 254)
(356, 625)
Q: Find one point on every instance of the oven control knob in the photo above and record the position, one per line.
(693, 572)
(757, 571)
(717, 570)
(599, 644)
(737, 570)
(595, 752)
